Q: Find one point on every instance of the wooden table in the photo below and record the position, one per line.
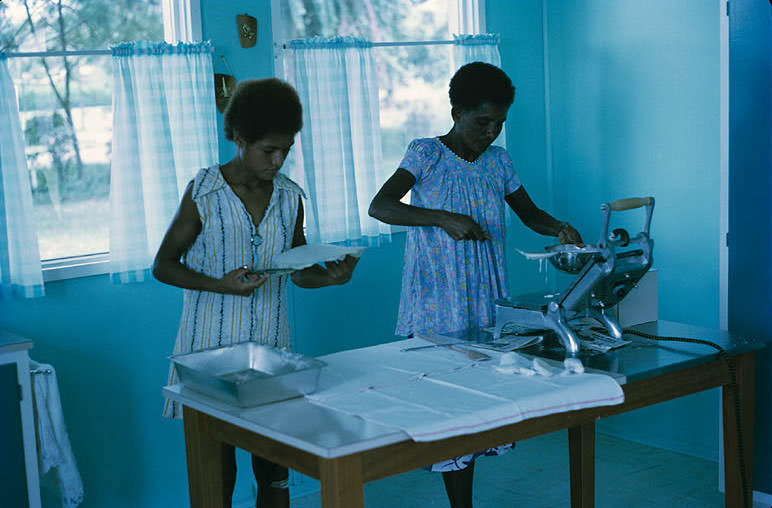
(344, 452)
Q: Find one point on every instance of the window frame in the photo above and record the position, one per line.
(468, 17)
(182, 22)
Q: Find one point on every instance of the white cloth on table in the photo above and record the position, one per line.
(54, 450)
(437, 393)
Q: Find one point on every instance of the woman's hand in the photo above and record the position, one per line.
(567, 234)
(241, 282)
(462, 227)
(340, 272)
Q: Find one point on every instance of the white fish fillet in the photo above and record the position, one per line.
(536, 255)
(311, 254)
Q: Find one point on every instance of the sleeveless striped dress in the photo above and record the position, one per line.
(229, 239)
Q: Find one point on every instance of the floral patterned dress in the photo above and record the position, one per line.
(451, 285)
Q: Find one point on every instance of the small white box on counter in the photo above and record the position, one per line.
(641, 304)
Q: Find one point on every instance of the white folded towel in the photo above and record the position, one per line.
(54, 451)
(437, 393)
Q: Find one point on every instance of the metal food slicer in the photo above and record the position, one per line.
(605, 275)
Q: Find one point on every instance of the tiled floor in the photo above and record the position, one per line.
(535, 475)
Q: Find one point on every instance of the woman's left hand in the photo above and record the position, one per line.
(568, 234)
(340, 272)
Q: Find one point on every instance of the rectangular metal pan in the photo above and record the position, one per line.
(248, 374)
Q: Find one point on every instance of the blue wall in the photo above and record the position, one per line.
(635, 111)
(520, 26)
(218, 20)
(635, 108)
(629, 115)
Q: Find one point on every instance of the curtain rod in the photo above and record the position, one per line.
(411, 43)
(83, 52)
(92, 52)
(405, 43)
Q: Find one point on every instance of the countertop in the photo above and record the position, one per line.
(10, 342)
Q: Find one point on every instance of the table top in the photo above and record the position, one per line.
(10, 342)
(645, 358)
(317, 430)
(328, 433)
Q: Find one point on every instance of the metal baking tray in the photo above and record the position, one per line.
(248, 374)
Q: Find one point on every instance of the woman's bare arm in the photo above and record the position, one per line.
(167, 265)
(387, 207)
(539, 220)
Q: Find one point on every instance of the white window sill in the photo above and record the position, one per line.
(99, 264)
(76, 266)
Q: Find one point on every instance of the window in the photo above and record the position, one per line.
(412, 48)
(60, 63)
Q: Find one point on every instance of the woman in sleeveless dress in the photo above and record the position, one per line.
(232, 221)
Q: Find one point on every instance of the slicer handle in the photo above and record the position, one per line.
(625, 204)
(629, 203)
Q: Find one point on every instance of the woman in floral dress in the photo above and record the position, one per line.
(454, 255)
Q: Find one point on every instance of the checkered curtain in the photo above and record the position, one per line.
(20, 273)
(164, 130)
(337, 158)
(479, 48)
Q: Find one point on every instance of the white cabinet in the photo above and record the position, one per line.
(19, 481)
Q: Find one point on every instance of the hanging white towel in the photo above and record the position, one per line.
(54, 451)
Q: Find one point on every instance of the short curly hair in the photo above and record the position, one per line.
(259, 107)
(479, 82)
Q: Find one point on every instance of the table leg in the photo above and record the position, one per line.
(581, 451)
(205, 456)
(738, 454)
(341, 482)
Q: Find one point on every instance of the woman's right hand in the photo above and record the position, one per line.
(462, 227)
(241, 282)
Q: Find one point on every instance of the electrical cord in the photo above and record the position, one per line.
(735, 393)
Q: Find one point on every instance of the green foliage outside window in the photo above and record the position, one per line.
(65, 104)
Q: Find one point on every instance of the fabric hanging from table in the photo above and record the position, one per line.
(55, 455)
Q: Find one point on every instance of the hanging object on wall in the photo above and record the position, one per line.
(224, 84)
(247, 26)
